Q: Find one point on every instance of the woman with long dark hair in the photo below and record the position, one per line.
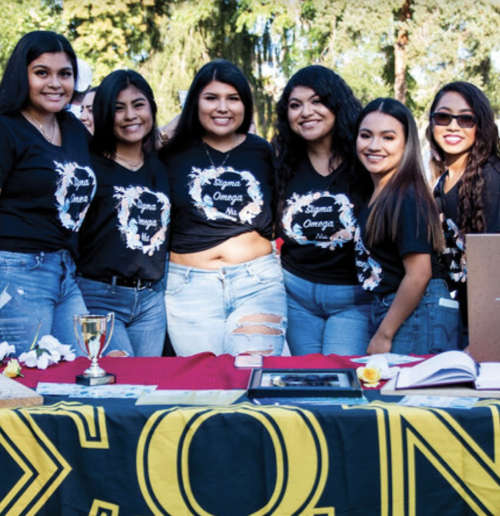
(225, 289)
(401, 233)
(465, 161)
(46, 185)
(319, 192)
(123, 242)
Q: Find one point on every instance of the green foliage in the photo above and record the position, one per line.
(22, 16)
(169, 40)
(112, 34)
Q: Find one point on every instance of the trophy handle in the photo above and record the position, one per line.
(110, 318)
(76, 322)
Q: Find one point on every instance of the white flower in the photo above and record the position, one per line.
(6, 349)
(46, 352)
(43, 361)
(49, 343)
(67, 353)
(29, 358)
(380, 363)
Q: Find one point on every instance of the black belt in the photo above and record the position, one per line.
(119, 281)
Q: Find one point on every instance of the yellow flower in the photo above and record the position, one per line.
(370, 376)
(13, 369)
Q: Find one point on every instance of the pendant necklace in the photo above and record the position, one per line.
(131, 165)
(42, 130)
(220, 168)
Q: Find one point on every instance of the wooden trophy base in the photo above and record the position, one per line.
(92, 381)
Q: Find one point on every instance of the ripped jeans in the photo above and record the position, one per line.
(39, 296)
(235, 309)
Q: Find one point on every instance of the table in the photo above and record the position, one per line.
(112, 458)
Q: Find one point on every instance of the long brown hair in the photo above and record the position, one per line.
(383, 220)
(471, 186)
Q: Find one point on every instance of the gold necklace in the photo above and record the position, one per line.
(131, 165)
(220, 168)
(42, 130)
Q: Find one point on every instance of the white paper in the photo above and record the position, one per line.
(219, 397)
(438, 401)
(73, 390)
(392, 359)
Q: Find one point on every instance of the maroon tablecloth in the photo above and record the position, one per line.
(203, 371)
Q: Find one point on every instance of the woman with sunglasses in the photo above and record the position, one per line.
(465, 161)
(400, 230)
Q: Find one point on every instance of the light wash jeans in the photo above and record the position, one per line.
(41, 296)
(433, 327)
(140, 318)
(207, 309)
(327, 318)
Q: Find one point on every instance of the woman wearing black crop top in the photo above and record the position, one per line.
(465, 160)
(46, 185)
(225, 289)
(123, 242)
(328, 311)
(412, 310)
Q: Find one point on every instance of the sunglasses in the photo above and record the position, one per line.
(464, 121)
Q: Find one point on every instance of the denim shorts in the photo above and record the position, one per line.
(226, 310)
(140, 318)
(433, 327)
(327, 318)
(41, 297)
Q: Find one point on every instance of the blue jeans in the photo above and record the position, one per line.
(235, 309)
(140, 319)
(433, 327)
(327, 318)
(44, 297)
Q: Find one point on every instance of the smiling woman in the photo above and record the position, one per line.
(319, 195)
(123, 242)
(400, 238)
(465, 160)
(46, 183)
(225, 289)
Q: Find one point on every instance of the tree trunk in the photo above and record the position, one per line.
(400, 86)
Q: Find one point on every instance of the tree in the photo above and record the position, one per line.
(238, 30)
(112, 34)
(22, 16)
(402, 48)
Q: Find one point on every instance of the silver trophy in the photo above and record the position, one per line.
(93, 333)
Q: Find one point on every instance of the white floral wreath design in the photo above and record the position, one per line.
(296, 205)
(67, 178)
(458, 267)
(369, 270)
(205, 203)
(129, 227)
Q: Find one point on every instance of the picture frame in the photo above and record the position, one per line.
(304, 383)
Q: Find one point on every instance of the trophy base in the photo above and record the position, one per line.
(108, 378)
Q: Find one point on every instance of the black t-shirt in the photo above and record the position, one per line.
(125, 232)
(217, 196)
(380, 267)
(453, 256)
(45, 189)
(318, 227)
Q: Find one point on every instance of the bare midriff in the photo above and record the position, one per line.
(239, 249)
